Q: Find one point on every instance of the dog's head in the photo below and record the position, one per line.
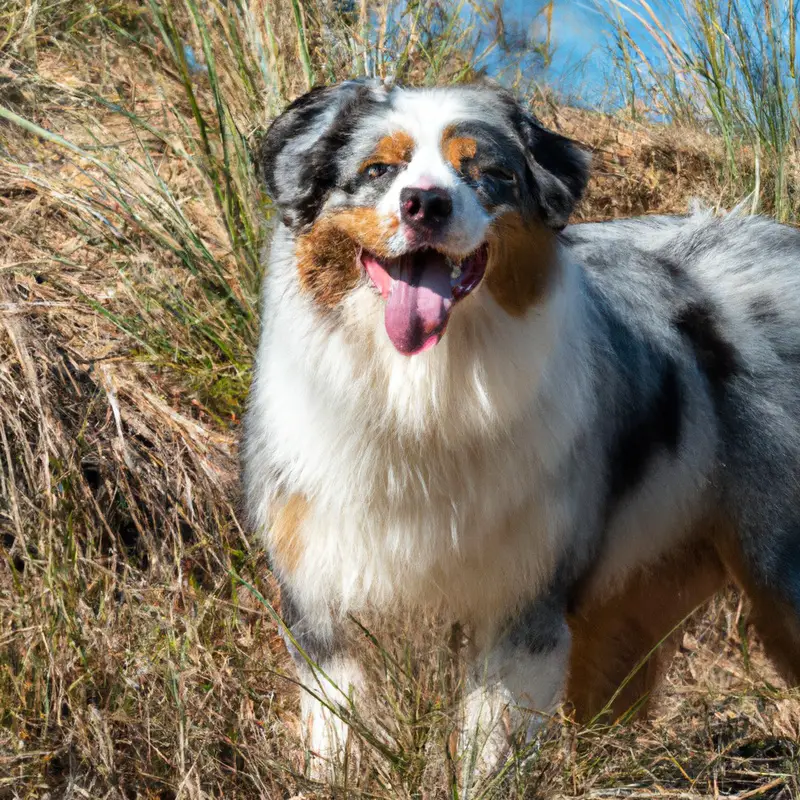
(420, 196)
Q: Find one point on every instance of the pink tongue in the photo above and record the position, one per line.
(419, 302)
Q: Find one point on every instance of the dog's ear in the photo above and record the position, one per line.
(559, 170)
(298, 152)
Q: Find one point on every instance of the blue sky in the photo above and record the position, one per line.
(583, 61)
(587, 68)
(580, 37)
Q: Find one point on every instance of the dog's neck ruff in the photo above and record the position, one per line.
(399, 451)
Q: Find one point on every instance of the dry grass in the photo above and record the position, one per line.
(729, 66)
(138, 652)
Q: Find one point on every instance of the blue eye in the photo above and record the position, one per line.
(378, 170)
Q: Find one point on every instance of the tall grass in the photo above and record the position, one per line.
(730, 65)
(232, 65)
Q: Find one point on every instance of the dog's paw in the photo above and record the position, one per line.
(484, 740)
(494, 729)
(326, 738)
(326, 703)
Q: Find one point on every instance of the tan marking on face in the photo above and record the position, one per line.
(286, 544)
(367, 228)
(521, 262)
(327, 256)
(457, 149)
(397, 148)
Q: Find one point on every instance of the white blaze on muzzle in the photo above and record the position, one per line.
(435, 265)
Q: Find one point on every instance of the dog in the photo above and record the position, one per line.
(563, 437)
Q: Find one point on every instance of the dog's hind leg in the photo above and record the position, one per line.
(760, 495)
(623, 642)
(770, 577)
(777, 623)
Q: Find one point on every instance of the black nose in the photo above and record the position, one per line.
(428, 207)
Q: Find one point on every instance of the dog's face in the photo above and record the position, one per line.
(420, 196)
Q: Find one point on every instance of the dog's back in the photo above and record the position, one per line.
(728, 289)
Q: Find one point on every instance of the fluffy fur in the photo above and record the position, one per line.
(612, 414)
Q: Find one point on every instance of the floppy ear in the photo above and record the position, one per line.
(298, 152)
(559, 167)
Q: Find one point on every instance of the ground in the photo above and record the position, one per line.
(139, 648)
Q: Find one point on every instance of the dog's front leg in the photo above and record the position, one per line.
(517, 680)
(329, 679)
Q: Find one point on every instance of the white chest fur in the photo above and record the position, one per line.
(428, 479)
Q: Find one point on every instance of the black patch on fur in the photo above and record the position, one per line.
(315, 647)
(716, 356)
(764, 310)
(574, 571)
(562, 180)
(788, 579)
(657, 427)
(671, 266)
(557, 170)
(296, 117)
(558, 174)
(320, 169)
(539, 626)
(495, 149)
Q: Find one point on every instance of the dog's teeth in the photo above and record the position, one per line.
(455, 269)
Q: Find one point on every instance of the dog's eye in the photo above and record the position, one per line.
(499, 174)
(377, 170)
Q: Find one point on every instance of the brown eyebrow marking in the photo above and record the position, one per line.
(393, 149)
(457, 149)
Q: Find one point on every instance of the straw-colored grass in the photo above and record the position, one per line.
(728, 66)
(139, 651)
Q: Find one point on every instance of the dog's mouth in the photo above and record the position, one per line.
(420, 289)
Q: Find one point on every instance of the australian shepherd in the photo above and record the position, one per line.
(564, 438)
